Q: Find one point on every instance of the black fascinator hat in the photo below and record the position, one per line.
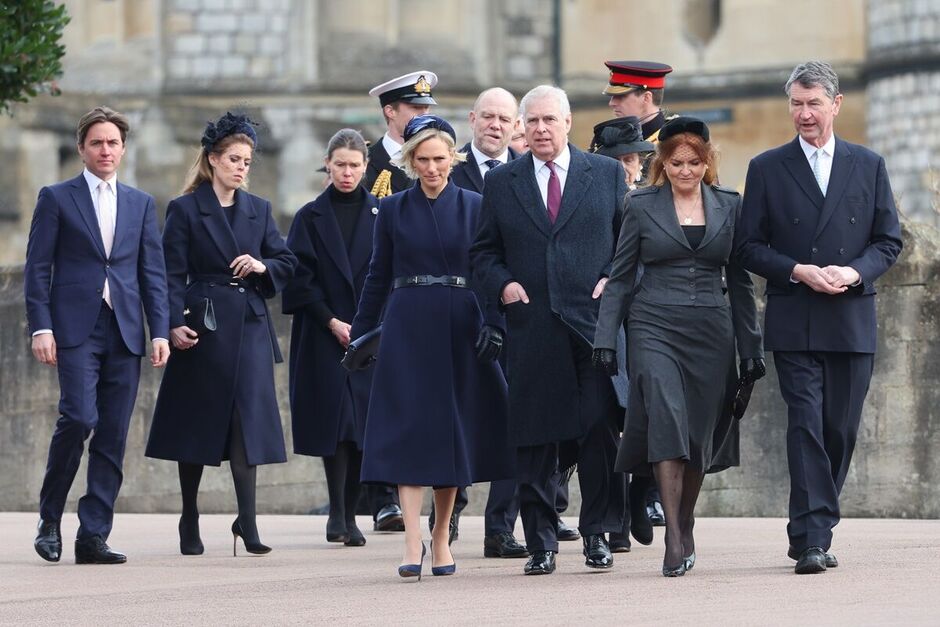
(228, 124)
(684, 124)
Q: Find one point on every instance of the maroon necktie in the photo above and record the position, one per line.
(554, 193)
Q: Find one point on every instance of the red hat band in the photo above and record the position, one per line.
(648, 82)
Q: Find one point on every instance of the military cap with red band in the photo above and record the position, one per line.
(627, 76)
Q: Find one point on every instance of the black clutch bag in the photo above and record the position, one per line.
(742, 396)
(200, 316)
(361, 352)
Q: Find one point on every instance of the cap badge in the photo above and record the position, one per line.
(423, 87)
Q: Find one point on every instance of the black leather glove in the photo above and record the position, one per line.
(489, 343)
(752, 370)
(605, 360)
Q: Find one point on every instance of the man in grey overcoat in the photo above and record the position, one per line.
(547, 234)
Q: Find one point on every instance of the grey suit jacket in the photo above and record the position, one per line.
(675, 274)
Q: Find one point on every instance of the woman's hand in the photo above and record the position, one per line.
(752, 370)
(183, 337)
(243, 265)
(489, 343)
(340, 331)
(605, 360)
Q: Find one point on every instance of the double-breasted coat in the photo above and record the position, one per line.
(330, 273)
(437, 415)
(558, 265)
(231, 368)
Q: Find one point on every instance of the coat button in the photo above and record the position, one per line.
(796, 220)
(107, 265)
(691, 296)
(98, 290)
(241, 290)
(815, 250)
(841, 251)
(852, 219)
(692, 270)
(212, 285)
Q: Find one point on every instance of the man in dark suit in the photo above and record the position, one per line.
(93, 259)
(819, 223)
(402, 98)
(547, 234)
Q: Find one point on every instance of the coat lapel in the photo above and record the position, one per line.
(86, 208)
(214, 219)
(360, 249)
(716, 214)
(663, 213)
(843, 162)
(126, 214)
(472, 170)
(795, 162)
(577, 183)
(324, 219)
(527, 192)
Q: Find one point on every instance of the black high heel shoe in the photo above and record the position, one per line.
(190, 542)
(252, 547)
(413, 570)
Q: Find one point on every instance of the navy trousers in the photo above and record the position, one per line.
(98, 387)
(824, 393)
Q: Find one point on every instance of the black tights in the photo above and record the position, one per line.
(244, 476)
(679, 486)
(342, 482)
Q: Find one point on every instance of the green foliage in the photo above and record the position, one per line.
(30, 52)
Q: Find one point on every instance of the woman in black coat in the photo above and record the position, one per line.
(332, 239)
(217, 399)
(437, 412)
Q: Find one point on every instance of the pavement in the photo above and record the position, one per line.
(889, 574)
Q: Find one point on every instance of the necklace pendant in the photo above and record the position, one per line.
(687, 221)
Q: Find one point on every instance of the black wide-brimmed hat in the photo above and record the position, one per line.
(684, 124)
(620, 136)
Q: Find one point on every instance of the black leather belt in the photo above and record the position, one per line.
(219, 279)
(427, 279)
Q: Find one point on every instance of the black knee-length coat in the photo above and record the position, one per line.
(232, 367)
(330, 273)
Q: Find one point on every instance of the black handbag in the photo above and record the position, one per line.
(200, 316)
(362, 351)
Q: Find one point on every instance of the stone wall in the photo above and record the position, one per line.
(895, 473)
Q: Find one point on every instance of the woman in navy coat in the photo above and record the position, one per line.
(437, 414)
(332, 239)
(217, 398)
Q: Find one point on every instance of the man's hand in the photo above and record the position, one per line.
(513, 293)
(752, 369)
(161, 352)
(44, 349)
(340, 331)
(816, 278)
(183, 337)
(842, 276)
(599, 288)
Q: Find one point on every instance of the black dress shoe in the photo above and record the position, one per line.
(811, 561)
(640, 526)
(48, 542)
(654, 511)
(619, 542)
(95, 550)
(389, 519)
(831, 561)
(566, 533)
(503, 544)
(596, 552)
(541, 563)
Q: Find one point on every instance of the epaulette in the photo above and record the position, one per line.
(726, 190)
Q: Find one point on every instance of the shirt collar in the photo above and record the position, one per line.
(562, 161)
(808, 149)
(481, 158)
(93, 181)
(392, 147)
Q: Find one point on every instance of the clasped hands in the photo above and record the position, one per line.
(828, 280)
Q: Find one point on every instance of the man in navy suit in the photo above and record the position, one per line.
(819, 223)
(548, 229)
(93, 262)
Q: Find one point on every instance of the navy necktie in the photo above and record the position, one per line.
(492, 163)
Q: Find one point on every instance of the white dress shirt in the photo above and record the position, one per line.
(825, 164)
(479, 157)
(542, 173)
(392, 147)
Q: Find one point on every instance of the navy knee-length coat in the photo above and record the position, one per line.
(437, 415)
(322, 392)
(231, 368)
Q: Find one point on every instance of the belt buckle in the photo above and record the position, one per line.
(420, 280)
(460, 281)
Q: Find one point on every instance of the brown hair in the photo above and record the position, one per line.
(664, 149)
(349, 139)
(98, 115)
(201, 170)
